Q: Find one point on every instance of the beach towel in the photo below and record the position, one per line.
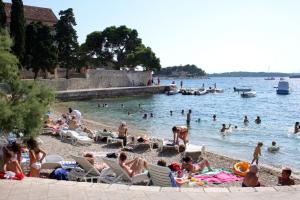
(11, 175)
(221, 177)
(205, 171)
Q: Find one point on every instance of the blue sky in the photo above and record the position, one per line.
(216, 35)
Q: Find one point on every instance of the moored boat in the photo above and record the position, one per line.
(248, 94)
(283, 87)
(241, 89)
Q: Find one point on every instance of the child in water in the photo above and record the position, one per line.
(257, 153)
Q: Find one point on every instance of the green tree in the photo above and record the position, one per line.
(66, 38)
(2, 15)
(41, 53)
(119, 42)
(17, 28)
(23, 104)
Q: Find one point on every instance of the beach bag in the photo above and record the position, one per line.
(112, 155)
(141, 140)
(59, 174)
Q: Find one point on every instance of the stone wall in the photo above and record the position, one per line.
(101, 78)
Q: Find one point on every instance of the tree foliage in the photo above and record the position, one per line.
(66, 38)
(121, 47)
(17, 28)
(2, 15)
(24, 103)
(41, 53)
(186, 71)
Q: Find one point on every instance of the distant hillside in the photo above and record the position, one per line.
(182, 71)
(250, 74)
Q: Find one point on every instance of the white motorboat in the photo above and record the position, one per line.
(283, 87)
(269, 78)
(200, 92)
(173, 89)
(248, 94)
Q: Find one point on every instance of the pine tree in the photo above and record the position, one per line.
(2, 15)
(17, 28)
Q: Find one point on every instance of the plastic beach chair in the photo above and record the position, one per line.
(52, 162)
(89, 172)
(160, 176)
(121, 175)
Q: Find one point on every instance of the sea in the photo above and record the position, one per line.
(277, 112)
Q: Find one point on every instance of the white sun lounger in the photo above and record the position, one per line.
(76, 137)
(52, 162)
(121, 175)
(163, 145)
(89, 171)
(160, 176)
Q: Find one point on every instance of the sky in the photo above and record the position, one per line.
(215, 35)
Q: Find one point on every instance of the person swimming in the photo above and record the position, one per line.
(224, 128)
(246, 121)
(214, 117)
(257, 120)
(273, 148)
(171, 112)
(296, 128)
(145, 116)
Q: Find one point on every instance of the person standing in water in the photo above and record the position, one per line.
(258, 120)
(181, 84)
(214, 117)
(189, 117)
(296, 128)
(246, 121)
(224, 128)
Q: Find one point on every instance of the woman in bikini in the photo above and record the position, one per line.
(133, 167)
(180, 132)
(36, 155)
(188, 165)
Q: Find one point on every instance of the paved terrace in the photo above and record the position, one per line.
(109, 92)
(46, 189)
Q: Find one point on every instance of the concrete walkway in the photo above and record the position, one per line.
(46, 189)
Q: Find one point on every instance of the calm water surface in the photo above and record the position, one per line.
(278, 114)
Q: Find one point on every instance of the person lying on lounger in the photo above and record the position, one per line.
(187, 164)
(90, 158)
(133, 167)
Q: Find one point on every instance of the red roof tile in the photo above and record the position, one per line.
(32, 13)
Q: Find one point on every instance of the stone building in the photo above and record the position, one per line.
(34, 14)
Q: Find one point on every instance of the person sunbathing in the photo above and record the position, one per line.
(90, 158)
(285, 179)
(11, 167)
(36, 155)
(133, 167)
(187, 164)
(251, 179)
(73, 123)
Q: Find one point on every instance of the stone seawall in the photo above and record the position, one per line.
(108, 92)
(100, 78)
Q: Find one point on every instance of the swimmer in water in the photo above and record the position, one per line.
(182, 112)
(296, 128)
(273, 148)
(246, 121)
(224, 128)
(214, 117)
(258, 120)
(151, 114)
(145, 116)
(171, 112)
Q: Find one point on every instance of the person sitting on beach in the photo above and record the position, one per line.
(90, 158)
(36, 155)
(285, 179)
(187, 164)
(11, 167)
(257, 153)
(73, 125)
(162, 163)
(180, 132)
(246, 121)
(123, 132)
(251, 179)
(75, 113)
(133, 167)
(273, 148)
(14, 148)
(257, 120)
(224, 128)
(297, 127)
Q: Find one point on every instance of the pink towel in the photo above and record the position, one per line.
(222, 177)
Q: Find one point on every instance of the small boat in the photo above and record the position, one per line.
(200, 92)
(215, 90)
(241, 89)
(248, 94)
(295, 76)
(173, 89)
(283, 87)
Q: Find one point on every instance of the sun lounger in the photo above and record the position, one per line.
(161, 176)
(76, 137)
(88, 172)
(166, 145)
(52, 162)
(120, 175)
(194, 151)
